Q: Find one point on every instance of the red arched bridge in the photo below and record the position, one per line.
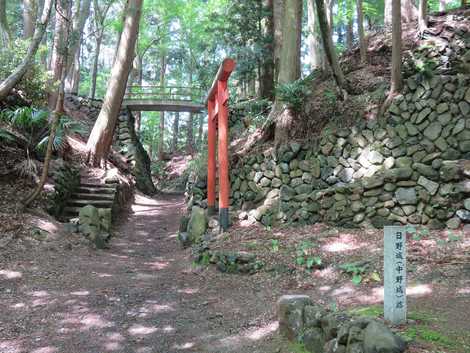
(166, 98)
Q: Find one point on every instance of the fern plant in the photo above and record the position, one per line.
(293, 93)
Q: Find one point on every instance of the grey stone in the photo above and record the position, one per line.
(314, 340)
(197, 224)
(453, 223)
(379, 339)
(372, 182)
(464, 108)
(290, 315)
(464, 215)
(466, 204)
(429, 185)
(433, 131)
(406, 196)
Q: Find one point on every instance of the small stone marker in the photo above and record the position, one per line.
(395, 274)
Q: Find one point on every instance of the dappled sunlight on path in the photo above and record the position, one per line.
(140, 295)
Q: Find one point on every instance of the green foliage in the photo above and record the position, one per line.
(199, 164)
(6, 136)
(33, 84)
(372, 311)
(294, 93)
(66, 127)
(358, 271)
(304, 256)
(274, 245)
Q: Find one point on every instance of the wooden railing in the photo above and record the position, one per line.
(166, 93)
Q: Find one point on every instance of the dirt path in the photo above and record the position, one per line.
(141, 295)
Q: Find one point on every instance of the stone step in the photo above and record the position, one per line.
(97, 186)
(97, 196)
(108, 189)
(96, 203)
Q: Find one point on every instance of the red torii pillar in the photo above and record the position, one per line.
(218, 132)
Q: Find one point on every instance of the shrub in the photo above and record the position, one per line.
(33, 84)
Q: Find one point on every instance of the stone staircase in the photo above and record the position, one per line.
(90, 193)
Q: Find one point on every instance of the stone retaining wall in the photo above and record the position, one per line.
(66, 182)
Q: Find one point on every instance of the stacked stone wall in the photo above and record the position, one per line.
(410, 167)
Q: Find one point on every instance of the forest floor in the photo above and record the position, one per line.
(145, 295)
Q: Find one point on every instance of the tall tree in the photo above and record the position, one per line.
(289, 65)
(278, 13)
(58, 109)
(442, 5)
(161, 132)
(174, 142)
(11, 81)
(396, 83)
(314, 40)
(267, 66)
(29, 18)
(101, 136)
(328, 46)
(5, 31)
(423, 15)
(360, 31)
(60, 44)
(80, 16)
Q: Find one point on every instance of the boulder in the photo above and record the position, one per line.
(379, 339)
(314, 340)
(406, 196)
(197, 224)
(290, 310)
(429, 185)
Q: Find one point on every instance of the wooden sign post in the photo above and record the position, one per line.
(395, 274)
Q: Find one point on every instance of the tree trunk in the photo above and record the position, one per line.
(81, 14)
(94, 72)
(29, 18)
(423, 15)
(329, 14)
(161, 144)
(396, 83)
(464, 3)
(349, 33)
(174, 141)
(314, 40)
(278, 13)
(16, 76)
(360, 30)
(267, 67)
(329, 46)
(409, 11)
(289, 68)
(442, 5)
(59, 46)
(56, 114)
(4, 26)
(201, 132)
(101, 136)
(189, 134)
(388, 13)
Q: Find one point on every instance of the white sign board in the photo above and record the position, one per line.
(395, 274)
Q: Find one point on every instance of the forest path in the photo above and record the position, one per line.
(142, 295)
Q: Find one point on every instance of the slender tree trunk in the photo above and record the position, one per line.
(329, 14)
(81, 14)
(55, 118)
(442, 5)
(29, 18)
(174, 142)
(139, 69)
(314, 40)
(161, 144)
(4, 26)
(278, 13)
(464, 3)
(11, 81)
(409, 11)
(329, 46)
(388, 13)
(189, 134)
(360, 30)
(94, 72)
(267, 68)
(396, 83)
(201, 131)
(349, 33)
(289, 68)
(101, 136)
(59, 46)
(423, 15)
